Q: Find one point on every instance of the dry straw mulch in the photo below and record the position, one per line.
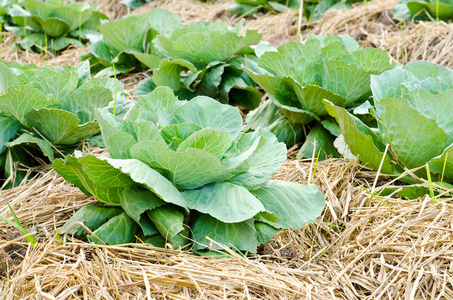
(358, 249)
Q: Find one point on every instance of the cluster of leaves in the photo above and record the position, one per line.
(47, 111)
(54, 24)
(127, 42)
(180, 165)
(298, 77)
(206, 59)
(315, 9)
(412, 106)
(424, 10)
(249, 7)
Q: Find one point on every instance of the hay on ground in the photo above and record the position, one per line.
(358, 249)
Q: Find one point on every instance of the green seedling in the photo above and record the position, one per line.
(16, 224)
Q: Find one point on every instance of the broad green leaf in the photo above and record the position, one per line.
(125, 34)
(149, 60)
(8, 130)
(163, 21)
(347, 80)
(224, 201)
(207, 112)
(295, 204)
(92, 216)
(136, 202)
(170, 224)
(241, 236)
(83, 102)
(186, 170)
(435, 9)
(162, 98)
(120, 229)
(63, 42)
(434, 107)
(390, 84)
(319, 140)
(262, 116)
(52, 27)
(71, 170)
(370, 59)
(423, 69)
(264, 232)
(141, 173)
(7, 78)
(60, 127)
(400, 122)
(212, 141)
(169, 73)
(17, 102)
(294, 60)
(362, 141)
(102, 173)
(147, 131)
(26, 138)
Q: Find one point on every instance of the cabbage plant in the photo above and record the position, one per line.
(54, 24)
(127, 42)
(182, 171)
(413, 108)
(297, 77)
(206, 59)
(424, 10)
(47, 111)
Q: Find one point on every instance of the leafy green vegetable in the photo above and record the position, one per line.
(127, 42)
(206, 59)
(49, 110)
(298, 77)
(186, 164)
(412, 106)
(53, 25)
(424, 10)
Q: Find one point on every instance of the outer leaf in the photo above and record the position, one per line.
(295, 204)
(19, 101)
(83, 102)
(241, 235)
(412, 150)
(226, 202)
(93, 216)
(136, 202)
(26, 138)
(361, 139)
(59, 126)
(7, 78)
(71, 170)
(187, 170)
(8, 130)
(120, 229)
(264, 232)
(169, 223)
(434, 107)
(141, 173)
(436, 165)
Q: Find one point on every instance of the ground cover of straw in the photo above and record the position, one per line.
(359, 248)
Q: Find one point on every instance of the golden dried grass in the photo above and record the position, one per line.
(358, 249)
